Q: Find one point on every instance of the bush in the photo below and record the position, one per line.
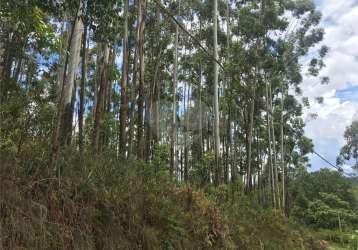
(100, 203)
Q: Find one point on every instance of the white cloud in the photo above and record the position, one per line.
(333, 117)
(334, 9)
(340, 20)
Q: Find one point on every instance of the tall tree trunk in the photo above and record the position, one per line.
(111, 61)
(3, 36)
(282, 149)
(124, 97)
(200, 139)
(156, 98)
(157, 111)
(233, 150)
(18, 69)
(216, 97)
(64, 47)
(69, 81)
(186, 133)
(82, 89)
(61, 127)
(274, 152)
(228, 83)
(103, 80)
(250, 136)
(271, 171)
(228, 145)
(147, 123)
(140, 121)
(69, 86)
(173, 157)
(70, 118)
(132, 102)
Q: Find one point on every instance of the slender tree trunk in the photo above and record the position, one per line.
(111, 61)
(18, 69)
(64, 103)
(140, 121)
(148, 113)
(124, 95)
(132, 100)
(148, 119)
(250, 136)
(278, 197)
(69, 81)
(3, 36)
(201, 139)
(82, 89)
(103, 80)
(233, 151)
(70, 118)
(228, 145)
(216, 97)
(271, 171)
(187, 131)
(157, 111)
(228, 82)
(282, 149)
(156, 98)
(173, 157)
(64, 48)
(260, 167)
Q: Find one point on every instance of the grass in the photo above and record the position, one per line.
(102, 203)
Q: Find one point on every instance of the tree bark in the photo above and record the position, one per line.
(200, 140)
(82, 89)
(69, 80)
(173, 149)
(103, 80)
(124, 95)
(216, 97)
(140, 121)
(282, 149)
(249, 153)
(186, 131)
(278, 197)
(61, 128)
(271, 171)
(132, 102)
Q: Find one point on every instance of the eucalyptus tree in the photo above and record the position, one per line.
(63, 128)
(216, 94)
(302, 34)
(84, 68)
(140, 43)
(350, 150)
(23, 95)
(124, 86)
(211, 82)
(173, 156)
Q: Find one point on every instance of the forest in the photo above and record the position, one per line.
(167, 124)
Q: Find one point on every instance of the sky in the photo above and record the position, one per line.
(340, 107)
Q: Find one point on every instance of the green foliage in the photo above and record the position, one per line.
(99, 203)
(324, 199)
(339, 240)
(161, 156)
(29, 21)
(350, 150)
(90, 200)
(200, 174)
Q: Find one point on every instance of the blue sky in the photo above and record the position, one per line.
(340, 107)
(348, 94)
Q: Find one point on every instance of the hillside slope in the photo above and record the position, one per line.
(101, 204)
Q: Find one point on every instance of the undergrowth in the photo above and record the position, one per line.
(101, 203)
